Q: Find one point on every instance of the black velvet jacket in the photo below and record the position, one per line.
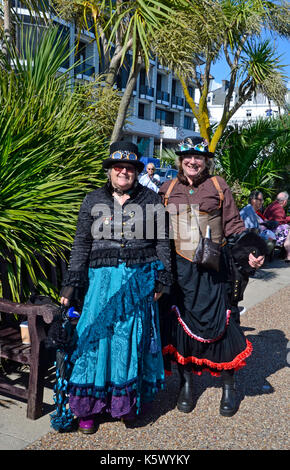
(108, 234)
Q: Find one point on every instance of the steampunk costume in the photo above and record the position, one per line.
(117, 364)
(206, 337)
(203, 334)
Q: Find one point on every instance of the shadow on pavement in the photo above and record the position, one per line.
(269, 355)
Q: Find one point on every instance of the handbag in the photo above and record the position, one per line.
(208, 252)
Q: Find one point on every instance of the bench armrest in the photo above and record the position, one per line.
(46, 311)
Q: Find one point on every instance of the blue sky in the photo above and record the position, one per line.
(220, 70)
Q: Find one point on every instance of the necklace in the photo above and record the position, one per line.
(191, 191)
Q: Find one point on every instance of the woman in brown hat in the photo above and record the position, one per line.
(205, 336)
(117, 364)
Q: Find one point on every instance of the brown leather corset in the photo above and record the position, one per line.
(187, 223)
(185, 226)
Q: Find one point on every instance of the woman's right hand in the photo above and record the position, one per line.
(64, 301)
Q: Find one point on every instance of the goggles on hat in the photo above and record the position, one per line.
(201, 147)
(123, 155)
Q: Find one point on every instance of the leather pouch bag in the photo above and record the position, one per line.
(207, 253)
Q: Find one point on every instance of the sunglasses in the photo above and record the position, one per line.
(121, 168)
(118, 155)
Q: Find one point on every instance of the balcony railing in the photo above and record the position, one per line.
(162, 97)
(163, 67)
(177, 102)
(146, 92)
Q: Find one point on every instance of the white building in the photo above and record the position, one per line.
(257, 106)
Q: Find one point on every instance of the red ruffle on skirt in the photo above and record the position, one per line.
(205, 365)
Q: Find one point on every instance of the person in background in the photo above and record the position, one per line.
(253, 219)
(276, 211)
(149, 179)
(117, 362)
(203, 335)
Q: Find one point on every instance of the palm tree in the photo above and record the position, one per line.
(191, 43)
(120, 27)
(50, 155)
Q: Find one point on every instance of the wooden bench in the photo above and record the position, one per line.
(34, 354)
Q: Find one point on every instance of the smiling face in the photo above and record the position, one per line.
(123, 176)
(192, 166)
(150, 170)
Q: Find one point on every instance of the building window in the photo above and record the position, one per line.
(173, 89)
(81, 53)
(188, 122)
(164, 117)
(141, 111)
(159, 82)
(191, 91)
(142, 77)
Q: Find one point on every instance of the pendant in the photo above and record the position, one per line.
(191, 191)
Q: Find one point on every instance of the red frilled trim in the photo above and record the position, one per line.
(237, 363)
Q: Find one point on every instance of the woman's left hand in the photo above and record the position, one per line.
(256, 263)
(157, 296)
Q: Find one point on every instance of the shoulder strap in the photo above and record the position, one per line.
(219, 190)
(213, 179)
(168, 192)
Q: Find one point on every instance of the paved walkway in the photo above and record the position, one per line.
(263, 386)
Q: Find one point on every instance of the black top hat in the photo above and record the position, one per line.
(125, 152)
(193, 146)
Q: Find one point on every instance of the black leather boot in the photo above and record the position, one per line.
(185, 398)
(228, 405)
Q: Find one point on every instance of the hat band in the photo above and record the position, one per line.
(123, 155)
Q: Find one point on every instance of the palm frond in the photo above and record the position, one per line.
(256, 155)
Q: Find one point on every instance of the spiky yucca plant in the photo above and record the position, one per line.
(50, 156)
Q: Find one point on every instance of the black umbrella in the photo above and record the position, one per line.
(62, 337)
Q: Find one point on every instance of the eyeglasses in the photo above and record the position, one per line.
(150, 169)
(118, 168)
(124, 155)
(259, 199)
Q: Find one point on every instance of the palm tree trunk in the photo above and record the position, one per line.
(125, 102)
(7, 26)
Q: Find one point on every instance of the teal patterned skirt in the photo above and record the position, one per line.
(117, 363)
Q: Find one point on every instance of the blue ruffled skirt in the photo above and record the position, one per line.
(117, 364)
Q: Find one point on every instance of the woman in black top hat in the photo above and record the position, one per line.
(205, 336)
(120, 259)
